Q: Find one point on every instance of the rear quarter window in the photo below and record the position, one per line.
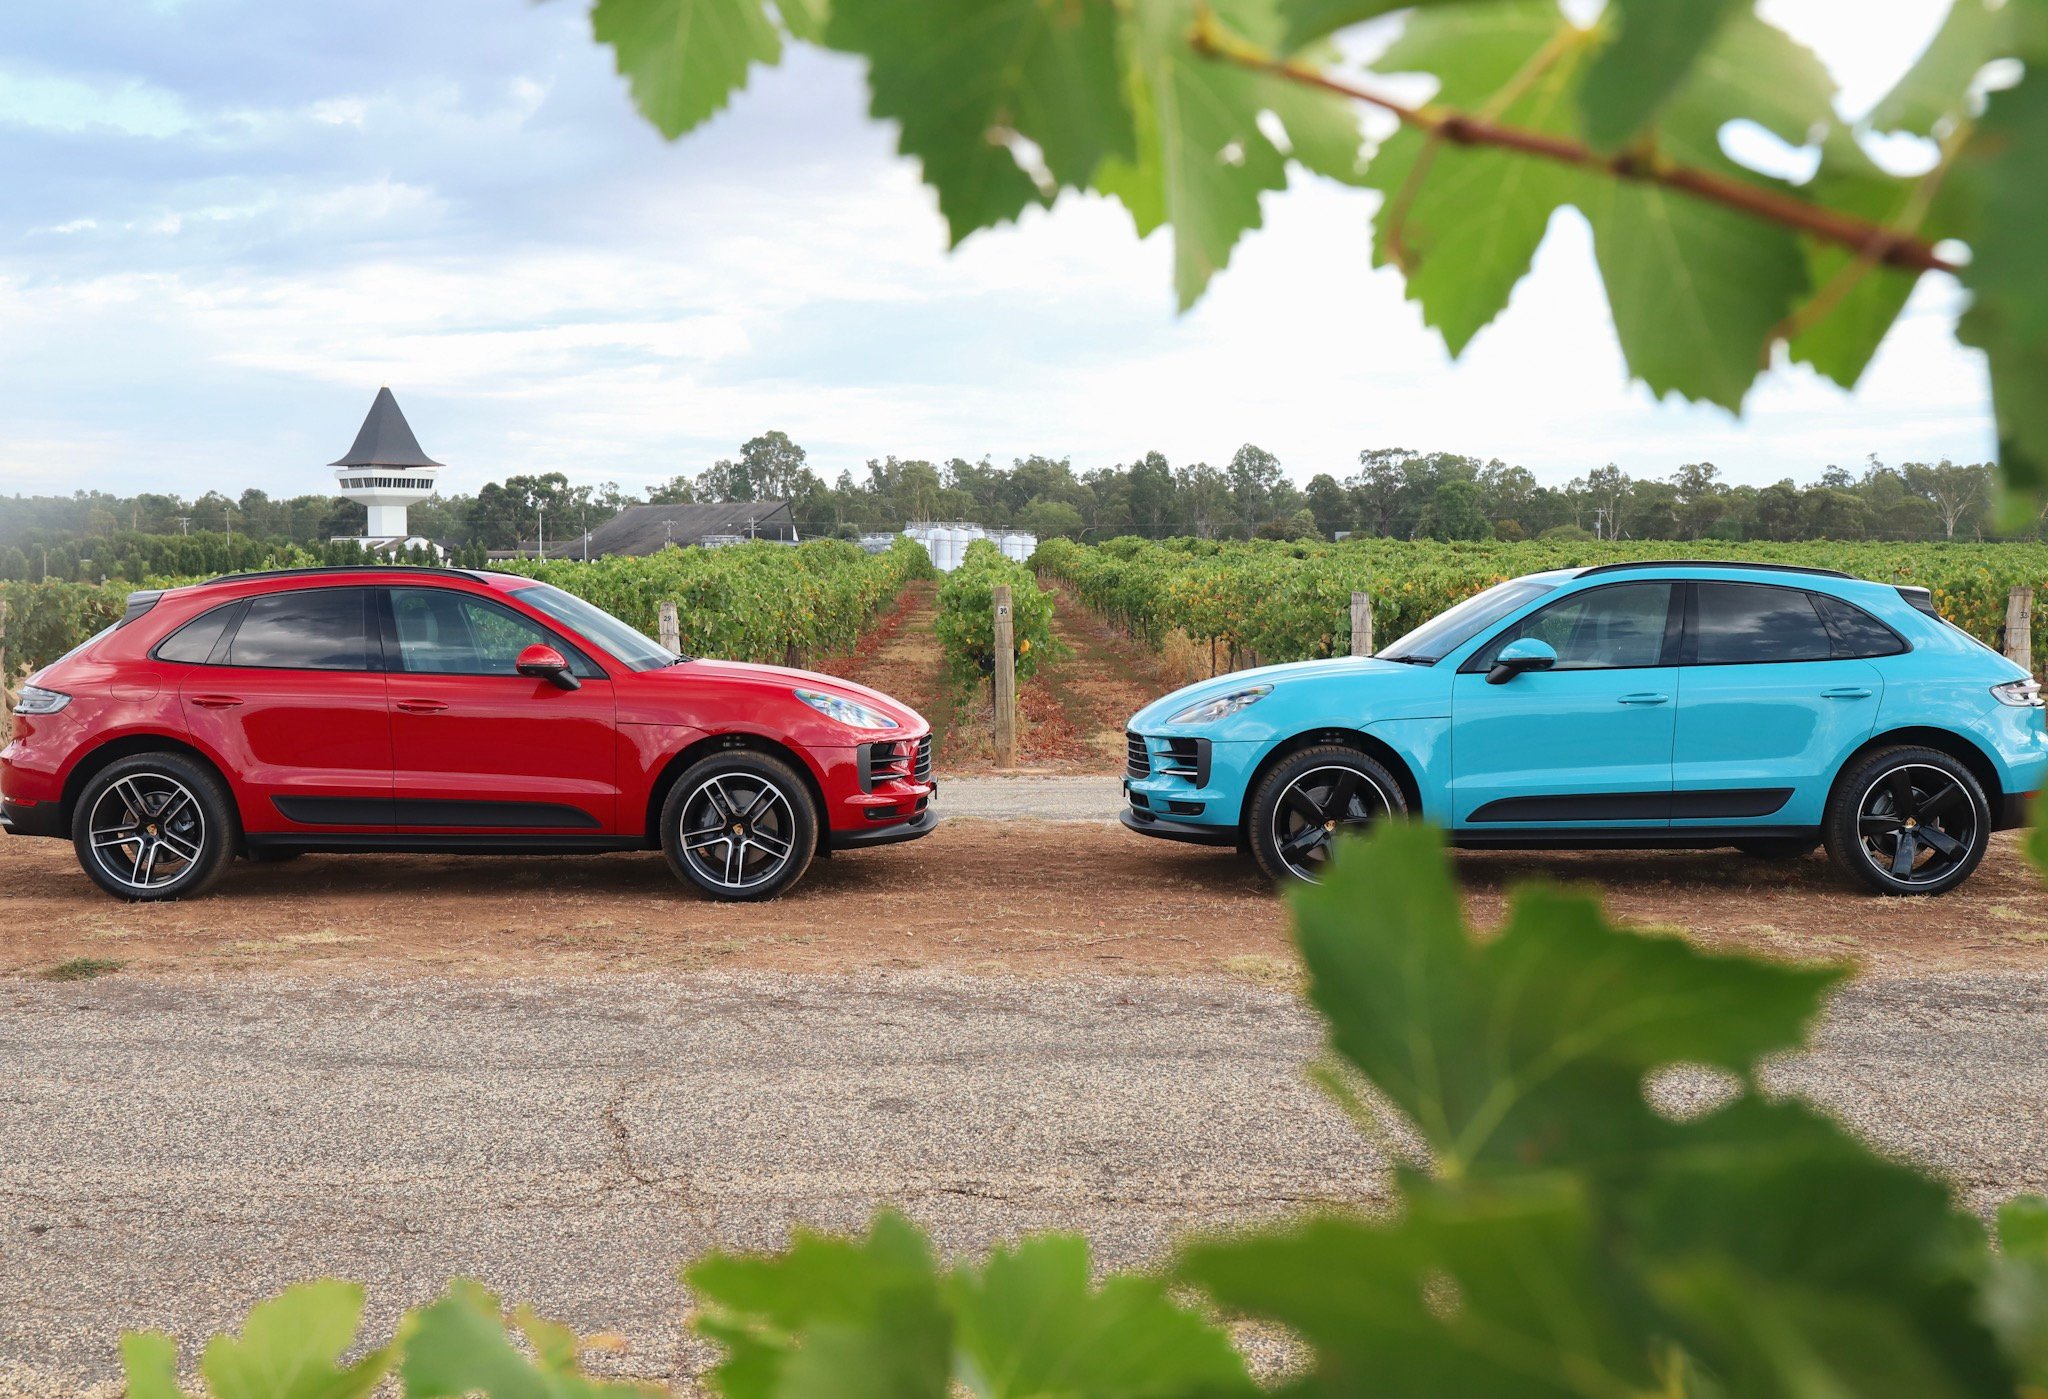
(1857, 633)
(194, 642)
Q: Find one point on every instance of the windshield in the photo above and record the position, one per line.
(597, 625)
(1447, 631)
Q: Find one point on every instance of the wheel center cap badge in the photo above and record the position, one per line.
(1329, 825)
(1912, 823)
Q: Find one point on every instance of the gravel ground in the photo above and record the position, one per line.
(173, 1149)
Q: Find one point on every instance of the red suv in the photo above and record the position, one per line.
(440, 710)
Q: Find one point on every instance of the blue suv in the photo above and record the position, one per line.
(1643, 705)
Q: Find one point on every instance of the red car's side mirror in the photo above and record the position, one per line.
(546, 663)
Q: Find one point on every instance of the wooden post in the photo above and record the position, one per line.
(671, 630)
(1361, 624)
(1006, 679)
(2019, 628)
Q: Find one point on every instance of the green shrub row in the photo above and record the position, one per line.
(1291, 601)
(966, 614)
(749, 602)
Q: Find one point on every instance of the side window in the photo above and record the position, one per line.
(1609, 628)
(448, 633)
(318, 629)
(194, 642)
(1757, 624)
(1857, 633)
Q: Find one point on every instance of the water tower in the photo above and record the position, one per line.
(386, 471)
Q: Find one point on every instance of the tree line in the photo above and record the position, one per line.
(1392, 492)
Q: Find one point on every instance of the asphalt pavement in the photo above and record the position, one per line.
(173, 1150)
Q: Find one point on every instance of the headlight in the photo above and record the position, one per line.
(2023, 694)
(849, 712)
(1222, 707)
(33, 699)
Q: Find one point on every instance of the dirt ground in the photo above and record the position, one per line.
(1017, 897)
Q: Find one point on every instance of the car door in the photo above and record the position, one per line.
(291, 695)
(1773, 702)
(1586, 743)
(476, 746)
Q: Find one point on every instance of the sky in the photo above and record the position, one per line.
(225, 223)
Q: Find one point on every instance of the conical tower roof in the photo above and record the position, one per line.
(385, 438)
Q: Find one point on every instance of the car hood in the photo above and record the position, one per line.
(783, 679)
(1282, 678)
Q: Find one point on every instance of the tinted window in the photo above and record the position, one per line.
(193, 642)
(1447, 631)
(320, 629)
(1752, 623)
(1857, 633)
(446, 633)
(1609, 628)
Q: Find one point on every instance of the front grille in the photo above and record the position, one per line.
(1187, 759)
(1137, 760)
(922, 771)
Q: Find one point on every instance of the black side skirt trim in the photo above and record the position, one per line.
(1625, 837)
(375, 811)
(1724, 804)
(451, 843)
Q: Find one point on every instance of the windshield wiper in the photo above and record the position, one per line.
(1410, 660)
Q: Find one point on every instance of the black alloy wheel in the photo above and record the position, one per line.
(1908, 821)
(1309, 799)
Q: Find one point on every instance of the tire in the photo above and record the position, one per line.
(181, 821)
(1306, 798)
(1903, 796)
(1778, 848)
(718, 835)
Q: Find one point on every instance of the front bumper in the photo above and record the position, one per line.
(1146, 824)
(921, 824)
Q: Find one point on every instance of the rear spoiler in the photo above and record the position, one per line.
(1921, 600)
(139, 603)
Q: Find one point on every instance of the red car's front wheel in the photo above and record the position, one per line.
(739, 825)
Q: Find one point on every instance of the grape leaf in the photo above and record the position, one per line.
(1305, 21)
(149, 1363)
(1527, 1049)
(1936, 87)
(1464, 223)
(1493, 1290)
(2016, 1293)
(1638, 70)
(685, 58)
(1697, 290)
(804, 19)
(290, 1348)
(1030, 1323)
(960, 75)
(828, 1317)
(1213, 161)
(459, 1346)
(1855, 302)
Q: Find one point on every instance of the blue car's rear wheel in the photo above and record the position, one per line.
(1908, 821)
(1308, 799)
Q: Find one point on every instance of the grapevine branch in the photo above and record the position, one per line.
(1872, 242)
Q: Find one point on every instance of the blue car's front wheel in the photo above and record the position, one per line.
(1306, 799)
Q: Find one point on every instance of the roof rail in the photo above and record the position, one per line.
(345, 568)
(1713, 563)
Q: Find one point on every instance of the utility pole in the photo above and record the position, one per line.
(540, 530)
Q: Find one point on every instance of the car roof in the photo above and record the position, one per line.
(1726, 565)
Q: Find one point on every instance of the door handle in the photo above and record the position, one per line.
(418, 706)
(1646, 697)
(215, 701)
(1846, 692)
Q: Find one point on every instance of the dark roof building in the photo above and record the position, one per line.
(648, 529)
(385, 438)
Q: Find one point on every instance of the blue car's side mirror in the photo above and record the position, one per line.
(1517, 656)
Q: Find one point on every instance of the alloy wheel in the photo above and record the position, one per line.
(1314, 807)
(147, 831)
(1916, 824)
(738, 830)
